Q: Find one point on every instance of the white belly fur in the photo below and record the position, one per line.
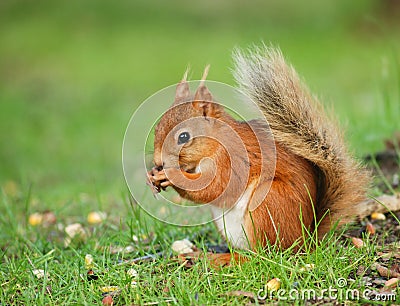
(231, 223)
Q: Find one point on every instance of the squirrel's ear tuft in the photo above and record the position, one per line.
(182, 92)
(202, 92)
(203, 99)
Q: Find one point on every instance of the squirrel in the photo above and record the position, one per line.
(316, 183)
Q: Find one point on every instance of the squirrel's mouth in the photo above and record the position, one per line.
(190, 168)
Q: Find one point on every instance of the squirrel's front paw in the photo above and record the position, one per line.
(157, 180)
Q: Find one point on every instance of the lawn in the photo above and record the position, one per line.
(71, 75)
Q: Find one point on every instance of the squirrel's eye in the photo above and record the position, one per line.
(183, 137)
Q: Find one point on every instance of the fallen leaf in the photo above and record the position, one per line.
(385, 272)
(392, 283)
(370, 228)
(189, 259)
(395, 270)
(389, 255)
(360, 270)
(357, 242)
(108, 300)
(246, 294)
(216, 260)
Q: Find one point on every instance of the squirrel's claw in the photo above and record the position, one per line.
(157, 180)
(150, 182)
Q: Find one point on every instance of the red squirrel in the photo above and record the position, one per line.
(316, 182)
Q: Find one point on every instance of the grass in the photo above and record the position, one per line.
(71, 75)
(164, 280)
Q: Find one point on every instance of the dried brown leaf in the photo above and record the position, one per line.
(385, 272)
(108, 300)
(216, 260)
(357, 242)
(246, 294)
(360, 270)
(48, 218)
(392, 283)
(389, 255)
(370, 228)
(395, 271)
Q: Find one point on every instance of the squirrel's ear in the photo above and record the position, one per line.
(182, 92)
(203, 99)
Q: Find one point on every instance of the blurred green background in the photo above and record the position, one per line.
(72, 73)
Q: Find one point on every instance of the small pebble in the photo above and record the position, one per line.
(74, 231)
(182, 246)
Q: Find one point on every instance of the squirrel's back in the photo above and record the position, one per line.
(299, 123)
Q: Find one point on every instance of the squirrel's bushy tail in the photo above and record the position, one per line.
(299, 123)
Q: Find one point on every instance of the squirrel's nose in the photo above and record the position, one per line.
(158, 164)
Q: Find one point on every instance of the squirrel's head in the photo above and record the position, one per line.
(183, 136)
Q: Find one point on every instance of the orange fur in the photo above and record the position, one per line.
(314, 174)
